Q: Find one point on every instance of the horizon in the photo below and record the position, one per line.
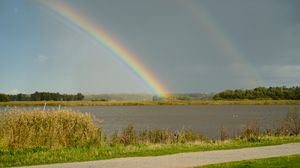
(151, 94)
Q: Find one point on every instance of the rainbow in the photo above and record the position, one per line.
(240, 66)
(106, 40)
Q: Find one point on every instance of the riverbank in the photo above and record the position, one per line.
(38, 155)
(32, 137)
(143, 103)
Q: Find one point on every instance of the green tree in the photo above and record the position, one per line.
(4, 97)
(79, 96)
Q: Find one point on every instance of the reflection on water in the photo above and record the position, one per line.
(206, 119)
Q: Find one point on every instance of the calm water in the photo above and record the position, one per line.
(206, 119)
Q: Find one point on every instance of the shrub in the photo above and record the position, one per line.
(4, 97)
(224, 133)
(251, 132)
(127, 136)
(52, 129)
(292, 122)
(185, 136)
(155, 136)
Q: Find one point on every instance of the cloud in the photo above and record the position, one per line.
(281, 71)
(14, 91)
(41, 58)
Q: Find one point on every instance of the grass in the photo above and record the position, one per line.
(39, 155)
(141, 103)
(30, 137)
(284, 161)
(51, 129)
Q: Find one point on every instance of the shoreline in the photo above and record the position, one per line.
(151, 103)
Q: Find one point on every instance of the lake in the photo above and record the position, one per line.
(205, 119)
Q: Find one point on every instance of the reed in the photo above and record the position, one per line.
(51, 129)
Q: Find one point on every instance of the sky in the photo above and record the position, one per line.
(189, 46)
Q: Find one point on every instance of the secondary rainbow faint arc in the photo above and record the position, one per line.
(113, 45)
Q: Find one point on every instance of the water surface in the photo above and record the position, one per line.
(206, 119)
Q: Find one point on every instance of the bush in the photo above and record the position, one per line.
(52, 129)
(4, 97)
(185, 136)
(128, 136)
(251, 132)
(224, 134)
(292, 122)
(155, 136)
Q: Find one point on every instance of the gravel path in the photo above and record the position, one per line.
(187, 159)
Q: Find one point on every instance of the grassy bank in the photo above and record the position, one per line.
(141, 103)
(39, 155)
(29, 137)
(285, 161)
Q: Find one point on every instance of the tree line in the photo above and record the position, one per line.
(41, 96)
(275, 93)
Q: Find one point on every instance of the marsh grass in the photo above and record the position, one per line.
(68, 128)
(141, 103)
(223, 133)
(51, 129)
(21, 128)
(29, 137)
(129, 136)
(292, 121)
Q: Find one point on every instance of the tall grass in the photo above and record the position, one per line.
(21, 128)
(52, 129)
(129, 136)
(68, 128)
(38, 137)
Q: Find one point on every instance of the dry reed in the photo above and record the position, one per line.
(52, 129)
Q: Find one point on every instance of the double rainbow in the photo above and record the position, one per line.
(118, 50)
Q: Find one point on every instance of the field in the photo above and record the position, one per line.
(140, 103)
(285, 161)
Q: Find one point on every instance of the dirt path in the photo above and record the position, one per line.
(187, 159)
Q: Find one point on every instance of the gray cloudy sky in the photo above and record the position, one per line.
(190, 45)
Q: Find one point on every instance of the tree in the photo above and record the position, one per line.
(79, 96)
(275, 93)
(4, 97)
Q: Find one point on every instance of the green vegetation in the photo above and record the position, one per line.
(142, 103)
(285, 161)
(51, 129)
(257, 94)
(185, 96)
(40, 155)
(4, 97)
(147, 97)
(275, 93)
(260, 95)
(46, 96)
(118, 97)
(41, 137)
